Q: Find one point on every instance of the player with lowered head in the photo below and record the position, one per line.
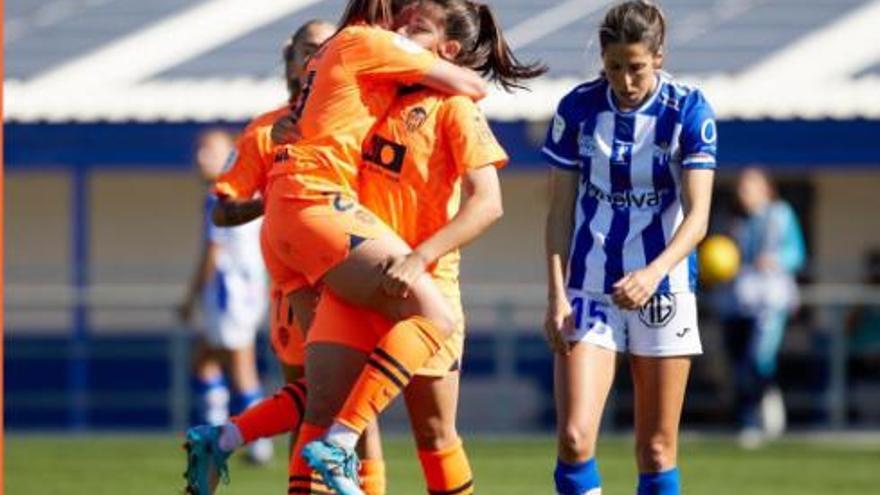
(633, 155)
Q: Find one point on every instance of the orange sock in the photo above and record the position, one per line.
(274, 415)
(301, 478)
(447, 471)
(372, 475)
(404, 349)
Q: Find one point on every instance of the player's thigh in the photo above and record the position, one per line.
(331, 371)
(432, 403)
(357, 280)
(582, 380)
(659, 385)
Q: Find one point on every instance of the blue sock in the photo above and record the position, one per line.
(576, 479)
(664, 483)
(246, 399)
(212, 400)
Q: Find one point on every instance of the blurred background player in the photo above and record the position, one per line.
(763, 295)
(229, 286)
(633, 155)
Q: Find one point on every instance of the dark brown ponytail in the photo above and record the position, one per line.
(371, 12)
(634, 21)
(483, 47)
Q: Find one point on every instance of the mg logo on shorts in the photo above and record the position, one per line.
(658, 311)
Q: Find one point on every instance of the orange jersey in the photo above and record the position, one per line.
(414, 161)
(249, 171)
(350, 83)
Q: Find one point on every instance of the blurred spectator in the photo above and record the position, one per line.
(762, 297)
(229, 287)
(863, 327)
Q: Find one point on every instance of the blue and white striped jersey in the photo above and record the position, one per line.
(629, 199)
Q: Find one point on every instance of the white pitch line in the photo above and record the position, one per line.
(551, 20)
(167, 43)
(837, 51)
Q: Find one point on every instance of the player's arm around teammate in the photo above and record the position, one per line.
(436, 401)
(634, 154)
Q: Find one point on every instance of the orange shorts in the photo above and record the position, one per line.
(308, 237)
(341, 323)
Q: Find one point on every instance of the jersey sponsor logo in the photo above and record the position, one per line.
(709, 131)
(415, 118)
(385, 153)
(658, 311)
(557, 129)
(407, 45)
(628, 199)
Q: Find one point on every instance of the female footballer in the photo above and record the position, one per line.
(633, 155)
(417, 162)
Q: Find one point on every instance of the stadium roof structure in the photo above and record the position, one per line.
(183, 60)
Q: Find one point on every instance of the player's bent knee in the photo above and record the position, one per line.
(434, 434)
(576, 442)
(656, 454)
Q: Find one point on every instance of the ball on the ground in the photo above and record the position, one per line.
(719, 259)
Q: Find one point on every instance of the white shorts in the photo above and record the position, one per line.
(665, 326)
(233, 308)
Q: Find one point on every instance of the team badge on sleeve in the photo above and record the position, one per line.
(230, 160)
(708, 131)
(558, 128)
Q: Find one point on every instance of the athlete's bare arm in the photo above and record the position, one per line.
(450, 78)
(557, 239)
(480, 209)
(634, 289)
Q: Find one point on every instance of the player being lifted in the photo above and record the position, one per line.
(429, 150)
(310, 198)
(634, 157)
(241, 191)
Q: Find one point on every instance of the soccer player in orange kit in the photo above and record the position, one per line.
(310, 197)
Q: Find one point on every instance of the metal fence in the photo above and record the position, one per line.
(112, 356)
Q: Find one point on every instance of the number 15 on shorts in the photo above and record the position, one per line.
(590, 315)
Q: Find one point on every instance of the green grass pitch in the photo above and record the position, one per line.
(152, 465)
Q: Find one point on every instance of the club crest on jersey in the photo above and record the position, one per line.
(621, 152)
(662, 153)
(586, 144)
(415, 118)
(658, 311)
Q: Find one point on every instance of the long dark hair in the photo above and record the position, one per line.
(634, 21)
(483, 46)
(372, 12)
